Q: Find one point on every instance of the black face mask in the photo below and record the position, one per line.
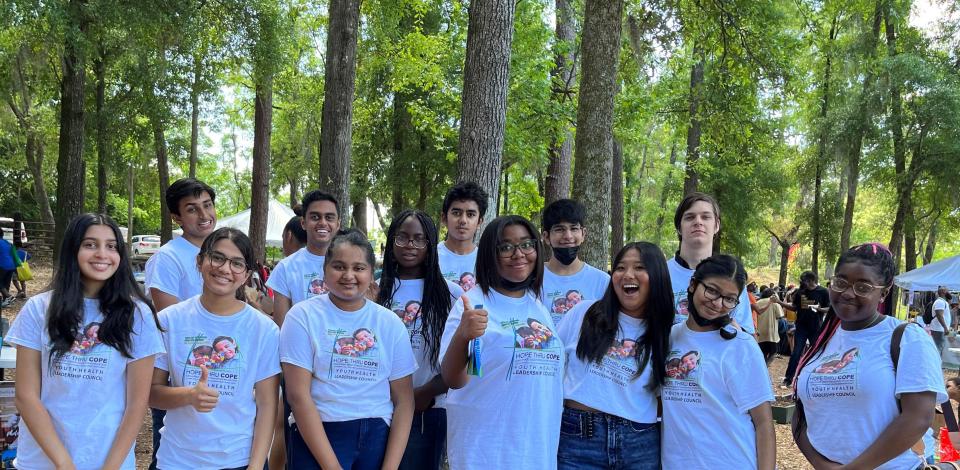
(516, 286)
(566, 255)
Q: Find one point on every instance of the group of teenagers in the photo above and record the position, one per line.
(485, 353)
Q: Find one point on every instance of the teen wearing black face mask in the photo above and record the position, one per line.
(566, 278)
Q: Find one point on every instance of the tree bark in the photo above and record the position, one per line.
(160, 149)
(593, 174)
(195, 90)
(360, 214)
(691, 182)
(71, 173)
(862, 121)
(294, 192)
(563, 75)
(103, 156)
(904, 188)
(616, 201)
(260, 184)
(33, 151)
(336, 127)
(822, 150)
(486, 78)
(931, 242)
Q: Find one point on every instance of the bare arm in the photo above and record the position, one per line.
(297, 388)
(32, 411)
(423, 396)
(453, 367)
(266, 393)
(943, 322)
(903, 432)
(138, 394)
(162, 300)
(800, 437)
(164, 397)
(762, 416)
(401, 393)
(281, 305)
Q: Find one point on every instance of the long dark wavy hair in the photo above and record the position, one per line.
(488, 275)
(436, 300)
(118, 297)
(602, 320)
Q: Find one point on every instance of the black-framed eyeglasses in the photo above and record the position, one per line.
(403, 240)
(860, 288)
(712, 293)
(506, 250)
(217, 259)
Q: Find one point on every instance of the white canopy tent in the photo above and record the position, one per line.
(945, 272)
(278, 215)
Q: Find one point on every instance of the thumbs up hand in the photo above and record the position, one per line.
(202, 397)
(473, 322)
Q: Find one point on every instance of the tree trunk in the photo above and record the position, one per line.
(294, 192)
(160, 149)
(336, 127)
(822, 150)
(691, 182)
(71, 171)
(931, 243)
(564, 73)
(664, 192)
(784, 260)
(360, 214)
(130, 225)
(260, 184)
(616, 201)
(904, 189)
(910, 241)
(402, 131)
(860, 130)
(195, 90)
(103, 156)
(33, 151)
(486, 77)
(592, 179)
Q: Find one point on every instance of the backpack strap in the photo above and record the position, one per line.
(895, 353)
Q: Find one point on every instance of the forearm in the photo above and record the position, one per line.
(943, 322)
(453, 368)
(38, 421)
(903, 432)
(435, 386)
(402, 395)
(137, 391)
(266, 394)
(281, 305)
(165, 397)
(766, 445)
(311, 430)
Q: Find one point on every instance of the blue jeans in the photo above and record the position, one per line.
(428, 437)
(602, 441)
(800, 337)
(157, 417)
(359, 445)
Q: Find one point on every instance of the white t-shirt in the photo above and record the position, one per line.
(609, 386)
(239, 350)
(353, 356)
(458, 269)
(299, 276)
(406, 304)
(562, 293)
(939, 304)
(85, 392)
(680, 280)
(173, 270)
(848, 392)
(712, 384)
(510, 416)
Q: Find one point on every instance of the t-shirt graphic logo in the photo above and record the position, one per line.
(355, 355)
(535, 348)
(682, 366)
(409, 313)
(315, 285)
(680, 305)
(87, 340)
(624, 350)
(466, 281)
(835, 375)
(222, 357)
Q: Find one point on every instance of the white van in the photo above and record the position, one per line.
(7, 224)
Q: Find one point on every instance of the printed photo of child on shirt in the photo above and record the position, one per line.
(680, 368)
(534, 335)
(87, 339)
(833, 366)
(625, 349)
(216, 355)
(361, 343)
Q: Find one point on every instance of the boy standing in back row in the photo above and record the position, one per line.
(171, 273)
(463, 209)
(567, 280)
